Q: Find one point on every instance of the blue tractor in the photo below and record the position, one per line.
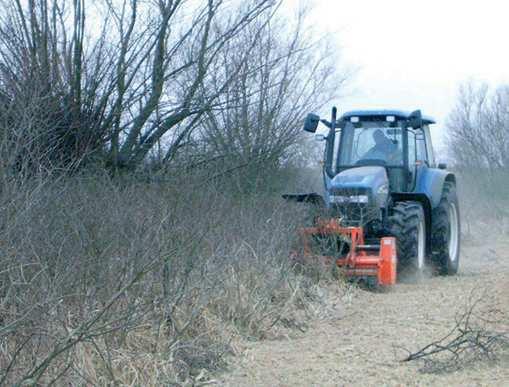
(382, 185)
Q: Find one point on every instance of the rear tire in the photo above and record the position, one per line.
(445, 237)
(408, 225)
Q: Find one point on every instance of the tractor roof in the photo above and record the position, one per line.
(378, 113)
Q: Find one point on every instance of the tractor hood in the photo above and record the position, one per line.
(366, 184)
(361, 177)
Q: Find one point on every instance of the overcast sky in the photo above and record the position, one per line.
(413, 54)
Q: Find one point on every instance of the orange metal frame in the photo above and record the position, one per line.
(357, 263)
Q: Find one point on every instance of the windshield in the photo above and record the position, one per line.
(371, 143)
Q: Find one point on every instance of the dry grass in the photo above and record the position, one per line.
(141, 283)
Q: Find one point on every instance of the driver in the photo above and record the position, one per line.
(383, 149)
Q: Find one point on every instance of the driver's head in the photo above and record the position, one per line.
(379, 137)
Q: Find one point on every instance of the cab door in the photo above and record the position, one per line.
(422, 160)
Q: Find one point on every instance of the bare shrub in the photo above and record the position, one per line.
(129, 281)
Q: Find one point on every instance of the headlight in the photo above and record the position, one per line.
(381, 195)
(349, 198)
(383, 190)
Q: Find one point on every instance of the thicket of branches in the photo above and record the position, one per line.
(106, 278)
(135, 284)
(259, 114)
(120, 80)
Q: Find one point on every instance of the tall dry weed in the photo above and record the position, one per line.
(141, 281)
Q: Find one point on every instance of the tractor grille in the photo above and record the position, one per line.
(356, 215)
(353, 211)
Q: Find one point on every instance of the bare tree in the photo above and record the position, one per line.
(478, 141)
(478, 127)
(115, 77)
(258, 117)
(180, 77)
(51, 90)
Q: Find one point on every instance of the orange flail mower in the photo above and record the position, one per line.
(358, 261)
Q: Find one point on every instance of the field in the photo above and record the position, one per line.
(367, 335)
(365, 342)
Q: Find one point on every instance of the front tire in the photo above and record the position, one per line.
(408, 225)
(446, 231)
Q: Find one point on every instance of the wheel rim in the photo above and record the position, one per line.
(453, 232)
(421, 245)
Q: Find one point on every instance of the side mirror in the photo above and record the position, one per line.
(442, 166)
(311, 122)
(320, 137)
(415, 119)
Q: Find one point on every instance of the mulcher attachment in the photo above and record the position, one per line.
(372, 263)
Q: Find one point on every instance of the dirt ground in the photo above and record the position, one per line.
(363, 344)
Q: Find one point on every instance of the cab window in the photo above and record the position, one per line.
(420, 140)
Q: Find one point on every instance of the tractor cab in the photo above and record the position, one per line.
(395, 140)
